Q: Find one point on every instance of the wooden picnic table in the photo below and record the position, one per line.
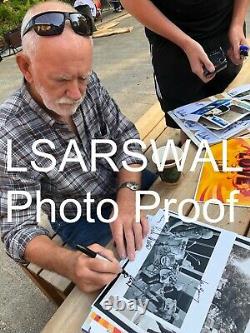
(71, 314)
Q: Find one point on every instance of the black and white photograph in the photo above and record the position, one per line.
(230, 309)
(172, 280)
(172, 273)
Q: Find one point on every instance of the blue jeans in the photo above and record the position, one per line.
(86, 233)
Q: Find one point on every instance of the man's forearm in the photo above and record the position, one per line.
(125, 197)
(128, 176)
(87, 273)
(125, 226)
(239, 12)
(45, 253)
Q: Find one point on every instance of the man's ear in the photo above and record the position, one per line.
(24, 65)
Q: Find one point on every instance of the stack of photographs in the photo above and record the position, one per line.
(188, 277)
(217, 120)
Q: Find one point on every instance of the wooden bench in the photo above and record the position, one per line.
(12, 42)
(150, 126)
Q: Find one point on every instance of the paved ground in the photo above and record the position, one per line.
(123, 64)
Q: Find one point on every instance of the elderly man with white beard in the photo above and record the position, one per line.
(62, 99)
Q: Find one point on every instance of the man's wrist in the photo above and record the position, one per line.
(131, 185)
(126, 196)
(186, 44)
(236, 25)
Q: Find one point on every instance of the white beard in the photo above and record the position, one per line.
(63, 106)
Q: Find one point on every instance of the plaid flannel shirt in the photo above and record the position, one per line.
(23, 121)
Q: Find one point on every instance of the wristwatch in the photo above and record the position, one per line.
(133, 186)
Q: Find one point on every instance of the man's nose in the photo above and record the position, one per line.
(74, 91)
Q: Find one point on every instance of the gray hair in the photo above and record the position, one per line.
(30, 40)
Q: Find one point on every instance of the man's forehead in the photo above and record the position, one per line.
(70, 76)
(52, 6)
(67, 69)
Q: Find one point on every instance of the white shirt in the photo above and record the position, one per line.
(90, 3)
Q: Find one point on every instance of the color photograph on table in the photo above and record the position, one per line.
(97, 324)
(219, 185)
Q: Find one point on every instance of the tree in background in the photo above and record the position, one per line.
(13, 11)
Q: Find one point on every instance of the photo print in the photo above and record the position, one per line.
(224, 115)
(172, 272)
(244, 95)
(217, 119)
(230, 308)
(172, 275)
(219, 185)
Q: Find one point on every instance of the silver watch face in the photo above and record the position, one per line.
(133, 186)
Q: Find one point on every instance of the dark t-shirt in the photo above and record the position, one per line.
(200, 19)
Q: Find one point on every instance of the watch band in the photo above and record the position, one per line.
(133, 186)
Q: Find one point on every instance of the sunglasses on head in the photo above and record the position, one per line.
(52, 23)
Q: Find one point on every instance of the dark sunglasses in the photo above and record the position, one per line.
(52, 23)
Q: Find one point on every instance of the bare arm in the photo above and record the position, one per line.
(156, 21)
(147, 13)
(87, 273)
(236, 33)
(239, 13)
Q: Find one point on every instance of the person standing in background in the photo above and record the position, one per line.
(90, 3)
(117, 6)
(181, 34)
(87, 7)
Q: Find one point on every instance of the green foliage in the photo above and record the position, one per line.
(12, 13)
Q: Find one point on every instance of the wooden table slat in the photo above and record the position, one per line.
(156, 131)
(34, 268)
(243, 77)
(58, 281)
(149, 120)
(241, 215)
(71, 315)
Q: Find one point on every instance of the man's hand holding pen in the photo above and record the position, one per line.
(91, 274)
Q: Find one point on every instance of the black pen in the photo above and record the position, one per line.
(92, 254)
